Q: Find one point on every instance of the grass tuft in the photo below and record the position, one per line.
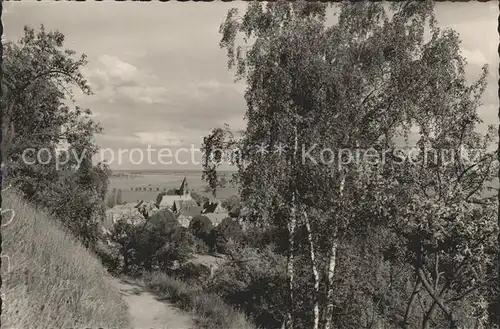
(209, 310)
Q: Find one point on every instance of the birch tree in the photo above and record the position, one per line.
(319, 87)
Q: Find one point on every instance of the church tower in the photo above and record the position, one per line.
(184, 189)
(186, 186)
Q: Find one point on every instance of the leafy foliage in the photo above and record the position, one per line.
(362, 83)
(158, 244)
(246, 280)
(200, 227)
(38, 74)
(222, 234)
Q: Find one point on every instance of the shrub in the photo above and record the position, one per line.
(220, 235)
(158, 244)
(163, 219)
(246, 281)
(210, 309)
(233, 202)
(109, 255)
(200, 247)
(201, 226)
(192, 273)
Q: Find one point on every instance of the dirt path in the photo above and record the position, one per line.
(148, 311)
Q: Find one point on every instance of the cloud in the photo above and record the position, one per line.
(164, 79)
(112, 78)
(118, 140)
(142, 94)
(117, 69)
(110, 71)
(474, 57)
(163, 138)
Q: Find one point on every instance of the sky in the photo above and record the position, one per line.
(160, 78)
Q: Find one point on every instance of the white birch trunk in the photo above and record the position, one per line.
(290, 265)
(314, 270)
(291, 240)
(332, 263)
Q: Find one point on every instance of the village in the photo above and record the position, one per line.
(181, 204)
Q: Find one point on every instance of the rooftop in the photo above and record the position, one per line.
(168, 200)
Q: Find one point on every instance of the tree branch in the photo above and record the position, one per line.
(432, 293)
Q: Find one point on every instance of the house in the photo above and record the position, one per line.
(214, 208)
(186, 210)
(167, 201)
(146, 208)
(216, 219)
(186, 205)
(126, 211)
(215, 212)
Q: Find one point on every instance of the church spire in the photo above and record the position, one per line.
(184, 186)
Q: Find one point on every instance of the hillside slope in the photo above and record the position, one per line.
(53, 281)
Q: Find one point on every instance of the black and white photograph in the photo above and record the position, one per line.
(250, 165)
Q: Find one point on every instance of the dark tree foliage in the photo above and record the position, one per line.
(228, 229)
(200, 227)
(38, 77)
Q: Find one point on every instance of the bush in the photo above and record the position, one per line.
(192, 273)
(201, 226)
(246, 283)
(221, 234)
(160, 248)
(258, 237)
(109, 255)
(200, 247)
(164, 219)
(157, 245)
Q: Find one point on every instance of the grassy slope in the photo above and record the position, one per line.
(53, 281)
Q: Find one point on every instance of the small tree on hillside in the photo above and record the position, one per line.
(38, 78)
(201, 226)
(228, 229)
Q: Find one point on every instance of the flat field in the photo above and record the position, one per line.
(146, 186)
